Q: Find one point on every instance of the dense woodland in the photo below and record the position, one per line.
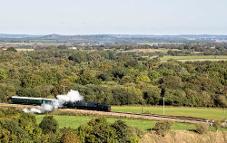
(113, 77)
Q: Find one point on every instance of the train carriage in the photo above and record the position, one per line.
(31, 100)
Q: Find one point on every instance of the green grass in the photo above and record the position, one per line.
(207, 113)
(194, 58)
(76, 121)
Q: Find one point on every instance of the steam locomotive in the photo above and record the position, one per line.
(72, 105)
(87, 106)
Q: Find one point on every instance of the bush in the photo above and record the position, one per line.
(201, 128)
(125, 134)
(100, 131)
(96, 131)
(16, 126)
(69, 136)
(11, 49)
(49, 125)
(162, 127)
(121, 130)
(12, 132)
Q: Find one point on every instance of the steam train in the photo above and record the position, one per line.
(71, 105)
(31, 100)
(87, 106)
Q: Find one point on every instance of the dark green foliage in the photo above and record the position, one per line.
(162, 127)
(97, 131)
(12, 132)
(26, 119)
(152, 95)
(28, 123)
(131, 63)
(221, 100)
(27, 92)
(128, 95)
(18, 127)
(22, 127)
(97, 94)
(49, 125)
(88, 77)
(7, 90)
(11, 49)
(121, 130)
(172, 82)
(100, 131)
(104, 77)
(124, 133)
(77, 57)
(118, 73)
(112, 77)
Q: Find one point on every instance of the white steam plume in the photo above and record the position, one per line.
(71, 96)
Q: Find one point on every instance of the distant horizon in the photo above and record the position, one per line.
(110, 34)
(124, 17)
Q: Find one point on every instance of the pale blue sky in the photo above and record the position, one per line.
(113, 16)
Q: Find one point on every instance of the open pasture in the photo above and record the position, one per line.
(194, 58)
(207, 113)
(75, 121)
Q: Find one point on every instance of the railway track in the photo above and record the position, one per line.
(168, 117)
(182, 119)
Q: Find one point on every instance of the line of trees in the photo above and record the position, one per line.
(112, 77)
(21, 127)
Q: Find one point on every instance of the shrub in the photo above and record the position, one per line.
(49, 125)
(125, 134)
(69, 136)
(162, 127)
(121, 130)
(96, 131)
(12, 132)
(100, 131)
(28, 123)
(11, 49)
(201, 128)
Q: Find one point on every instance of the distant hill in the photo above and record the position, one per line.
(111, 39)
(2, 36)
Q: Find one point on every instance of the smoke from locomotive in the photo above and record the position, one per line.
(71, 100)
(71, 96)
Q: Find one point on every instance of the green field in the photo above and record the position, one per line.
(208, 113)
(194, 58)
(76, 121)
